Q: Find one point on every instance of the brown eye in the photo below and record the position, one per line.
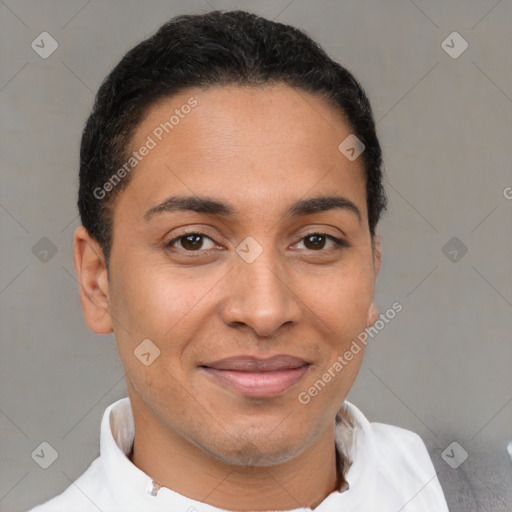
(315, 241)
(189, 242)
(319, 241)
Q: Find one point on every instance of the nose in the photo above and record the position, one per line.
(260, 297)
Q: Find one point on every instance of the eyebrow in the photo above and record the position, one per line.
(210, 206)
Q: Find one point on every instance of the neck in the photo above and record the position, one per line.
(173, 462)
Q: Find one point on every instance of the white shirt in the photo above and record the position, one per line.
(390, 471)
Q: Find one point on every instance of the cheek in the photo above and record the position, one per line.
(150, 305)
(343, 309)
(344, 302)
(152, 301)
(167, 308)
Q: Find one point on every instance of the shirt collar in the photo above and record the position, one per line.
(133, 488)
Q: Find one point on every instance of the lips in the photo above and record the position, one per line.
(253, 364)
(255, 377)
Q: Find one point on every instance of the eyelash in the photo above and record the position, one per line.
(339, 243)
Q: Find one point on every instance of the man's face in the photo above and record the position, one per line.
(220, 295)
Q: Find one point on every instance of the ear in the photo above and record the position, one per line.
(377, 254)
(93, 280)
(377, 260)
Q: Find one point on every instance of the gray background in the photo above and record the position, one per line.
(441, 368)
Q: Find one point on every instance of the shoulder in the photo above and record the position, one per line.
(400, 443)
(390, 465)
(85, 494)
(386, 443)
(403, 460)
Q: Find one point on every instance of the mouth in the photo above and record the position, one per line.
(255, 377)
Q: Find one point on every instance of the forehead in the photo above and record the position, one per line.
(228, 115)
(259, 145)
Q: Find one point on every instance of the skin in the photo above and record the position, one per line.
(259, 149)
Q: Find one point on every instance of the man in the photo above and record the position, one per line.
(230, 188)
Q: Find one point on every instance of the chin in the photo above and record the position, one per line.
(255, 451)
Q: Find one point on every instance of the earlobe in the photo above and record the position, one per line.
(372, 315)
(93, 280)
